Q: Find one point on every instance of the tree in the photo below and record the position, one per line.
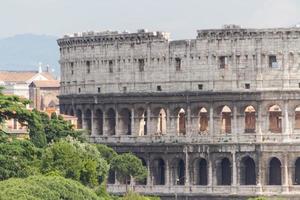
(46, 188)
(128, 165)
(106, 152)
(18, 158)
(73, 159)
(56, 128)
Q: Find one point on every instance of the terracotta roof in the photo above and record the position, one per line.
(46, 83)
(21, 76)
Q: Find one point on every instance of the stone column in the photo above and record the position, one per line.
(133, 131)
(187, 178)
(234, 171)
(211, 122)
(150, 130)
(235, 130)
(167, 174)
(286, 121)
(169, 125)
(259, 123)
(286, 174)
(105, 129)
(83, 121)
(149, 181)
(117, 128)
(93, 132)
(260, 172)
(189, 124)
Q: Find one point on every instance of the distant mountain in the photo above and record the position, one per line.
(24, 52)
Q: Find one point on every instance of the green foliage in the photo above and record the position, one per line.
(128, 165)
(56, 128)
(106, 152)
(258, 198)
(136, 196)
(46, 188)
(73, 159)
(18, 158)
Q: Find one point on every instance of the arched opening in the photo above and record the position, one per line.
(142, 116)
(162, 122)
(275, 172)
(125, 122)
(250, 120)
(88, 120)
(99, 122)
(247, 171)
(178, 170)
(200, 172)
(144, 181)
(297, 117)
(224, 172)
(158, 172)
(275, 119)
(111, 121)
(111, 179)
(226, 120)
(203, 121)
(181, 122)
(79, 119)
(297, 172)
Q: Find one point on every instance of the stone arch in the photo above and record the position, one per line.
(297, 117)
(111, 121)
(79, 118)
(158, 171)
(247, 171)
(181, 122)
(275, 172)
(178, 172)
(275, 119)
(250, 119)
(297, 172)
(88, 120)
(224, 172)
(203, 120)
(125, 121)
(99, 122)
(142, 121)
(200, 172)
(226, 116)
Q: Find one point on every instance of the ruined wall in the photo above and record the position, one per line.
(231, 59)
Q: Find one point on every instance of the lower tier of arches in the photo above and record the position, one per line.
(202, 168)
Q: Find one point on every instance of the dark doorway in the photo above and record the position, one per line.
(297, 172)
(275, 172)
(158, 172)
(248, 172)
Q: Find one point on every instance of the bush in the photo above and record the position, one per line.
(45, 188)
(73, 159)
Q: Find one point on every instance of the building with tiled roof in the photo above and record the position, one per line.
(43, 94)
(17, 82)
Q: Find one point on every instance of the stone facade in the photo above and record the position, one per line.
(211, 117)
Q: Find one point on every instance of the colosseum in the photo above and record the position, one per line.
(215, 117)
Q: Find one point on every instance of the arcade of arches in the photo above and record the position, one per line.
(224, 170)
(183, 121)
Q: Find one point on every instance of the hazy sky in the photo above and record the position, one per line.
(179, 17)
